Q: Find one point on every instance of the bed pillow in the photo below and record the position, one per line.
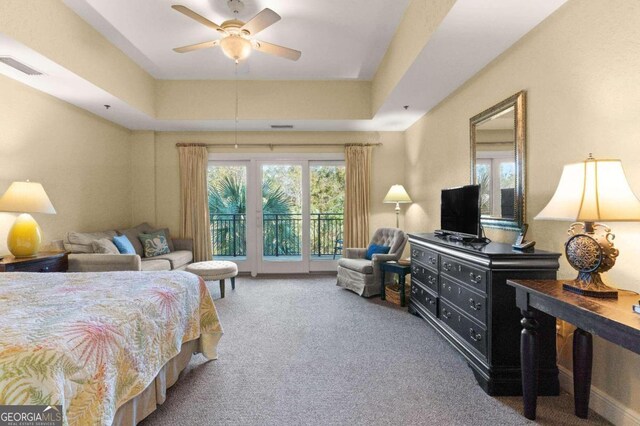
(376, 249)
(123, 244)
(167, 235)
(104, 246)
(154, 244)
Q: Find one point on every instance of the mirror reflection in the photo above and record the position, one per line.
(496, 164)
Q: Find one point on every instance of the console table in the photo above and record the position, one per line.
(611, 319)
(461, 290)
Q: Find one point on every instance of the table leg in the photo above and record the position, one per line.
(382, 284)
(582, 360)
(222, 288)
(529, 363)
(401, 281)
(233, 283)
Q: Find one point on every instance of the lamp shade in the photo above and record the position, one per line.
(397, 194)
(591, 191)
(26, 197)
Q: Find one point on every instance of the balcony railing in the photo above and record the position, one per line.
(282, 234)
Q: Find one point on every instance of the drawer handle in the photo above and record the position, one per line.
(475, 305)
(44, 269)
(432, 280)
(432, 260)
(431, 301)
(446, 313)
(446, 266)
(476, 337)
(414, 253)
(475, 278)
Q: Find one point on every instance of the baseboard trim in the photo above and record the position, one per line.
(602, 403)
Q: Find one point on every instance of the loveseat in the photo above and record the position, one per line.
(86, 254)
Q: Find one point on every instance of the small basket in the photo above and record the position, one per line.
(392, 292)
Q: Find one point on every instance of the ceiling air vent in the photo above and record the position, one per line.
(8, 60)
(282, 126)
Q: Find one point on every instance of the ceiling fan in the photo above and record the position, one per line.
(238, 37)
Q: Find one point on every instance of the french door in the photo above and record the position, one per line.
(271, 215)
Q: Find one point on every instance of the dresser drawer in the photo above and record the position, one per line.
(425, 276)
(475, 277)
(467, 329)
(464, 299)
(425, 256)
(424, 298)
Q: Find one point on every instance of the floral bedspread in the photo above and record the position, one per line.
(92, 341)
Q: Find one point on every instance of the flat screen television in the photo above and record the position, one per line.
(460, 211)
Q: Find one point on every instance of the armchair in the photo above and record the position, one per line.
(362, 276)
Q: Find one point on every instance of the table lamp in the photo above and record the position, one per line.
(589, 192)
(25, 197)
(397, 194)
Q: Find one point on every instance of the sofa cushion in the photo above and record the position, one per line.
(177, 258)
(154, 244)
(80, 242)
(132, 235)
(167, 235)
(123, 244)
(155, 264)
(104, 246)
(363, 266)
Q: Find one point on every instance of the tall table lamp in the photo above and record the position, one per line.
(397, 194)
(25, 197)
(590, 192)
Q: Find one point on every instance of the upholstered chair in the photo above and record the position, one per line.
(361, 275)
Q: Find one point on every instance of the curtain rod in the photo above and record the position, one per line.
(271, 145)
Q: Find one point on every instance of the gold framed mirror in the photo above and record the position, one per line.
(498, 137)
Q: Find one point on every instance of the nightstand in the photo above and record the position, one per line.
(42, 262)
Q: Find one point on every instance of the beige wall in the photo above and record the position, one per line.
(580, 70)
(263, 100)
(388, 165)
(82, 161)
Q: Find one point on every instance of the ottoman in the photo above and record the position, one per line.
(213, 270)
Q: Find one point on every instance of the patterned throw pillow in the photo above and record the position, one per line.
(154, 244)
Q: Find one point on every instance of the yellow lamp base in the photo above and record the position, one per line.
(24, 236)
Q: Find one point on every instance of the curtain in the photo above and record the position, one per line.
(356, 209)
(194, 201)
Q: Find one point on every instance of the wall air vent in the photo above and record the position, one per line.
(282, 126)
(8, 60)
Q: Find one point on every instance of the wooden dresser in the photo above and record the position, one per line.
(460, 289)
(42, 262)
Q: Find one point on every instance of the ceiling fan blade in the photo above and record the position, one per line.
(261, 21)
(197, 46)
(274, 49)
(193, 15)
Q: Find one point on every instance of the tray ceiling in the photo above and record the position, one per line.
(338, 39)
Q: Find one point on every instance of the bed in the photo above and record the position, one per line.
(105, 346)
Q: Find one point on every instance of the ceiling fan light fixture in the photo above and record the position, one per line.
(235, 47)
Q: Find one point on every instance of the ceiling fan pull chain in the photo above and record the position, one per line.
(236, 115)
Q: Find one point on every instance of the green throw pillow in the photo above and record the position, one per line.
(154, 244)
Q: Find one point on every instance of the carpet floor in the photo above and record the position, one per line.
(301, 351)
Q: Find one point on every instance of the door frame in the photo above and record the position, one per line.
(253, 162)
